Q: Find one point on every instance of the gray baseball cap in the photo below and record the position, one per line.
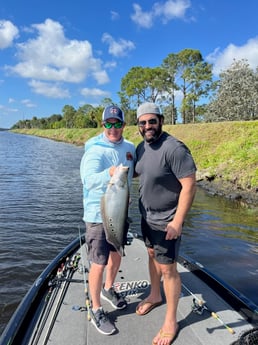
(148, 108)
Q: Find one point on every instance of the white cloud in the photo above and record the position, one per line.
(8, 32)
(117, 48)
(52, 57)
(28, 103)
(166, 11)
(223, 59)
(143, 19)
(5, 110)
(114, 15)
(110, 64)
(51, 90)
(86, 92)
(171, 9)
(101, 77)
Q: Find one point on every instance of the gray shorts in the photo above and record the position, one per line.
(166, 251)
(98, 247)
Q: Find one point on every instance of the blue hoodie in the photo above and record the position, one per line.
(100, 154)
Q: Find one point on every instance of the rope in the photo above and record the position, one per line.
(249, 337)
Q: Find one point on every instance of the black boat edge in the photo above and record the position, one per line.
(21, 324)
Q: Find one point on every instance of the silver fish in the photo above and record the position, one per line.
(114, 208)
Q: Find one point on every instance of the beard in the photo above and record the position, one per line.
(152, 134)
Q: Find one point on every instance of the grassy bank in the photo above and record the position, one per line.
(226, 151)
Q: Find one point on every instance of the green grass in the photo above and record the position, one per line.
(226, 149)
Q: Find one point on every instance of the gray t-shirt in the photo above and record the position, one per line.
(160, 165)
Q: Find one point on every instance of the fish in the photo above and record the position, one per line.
(114, 208)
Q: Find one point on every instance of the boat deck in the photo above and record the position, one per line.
(73, 327)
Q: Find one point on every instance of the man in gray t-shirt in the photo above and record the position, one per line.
(167, 187)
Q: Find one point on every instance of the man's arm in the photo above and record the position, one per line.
(186, 197)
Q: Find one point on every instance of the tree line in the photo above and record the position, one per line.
(183, 86)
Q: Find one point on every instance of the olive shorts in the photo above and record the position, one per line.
(97, 245)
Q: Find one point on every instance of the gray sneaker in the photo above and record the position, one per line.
(113, 298)
(101, 322)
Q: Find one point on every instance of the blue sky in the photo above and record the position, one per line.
(54, 53)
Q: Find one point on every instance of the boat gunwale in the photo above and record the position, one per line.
(20, 326)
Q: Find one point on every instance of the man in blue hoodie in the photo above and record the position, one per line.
(103, 154)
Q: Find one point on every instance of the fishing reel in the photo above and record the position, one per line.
(197, 307)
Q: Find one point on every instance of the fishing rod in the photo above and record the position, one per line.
(199, 305)
(86, 291)
(71, 266)
(49, 301)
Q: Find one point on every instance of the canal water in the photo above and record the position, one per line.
(41, 212)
